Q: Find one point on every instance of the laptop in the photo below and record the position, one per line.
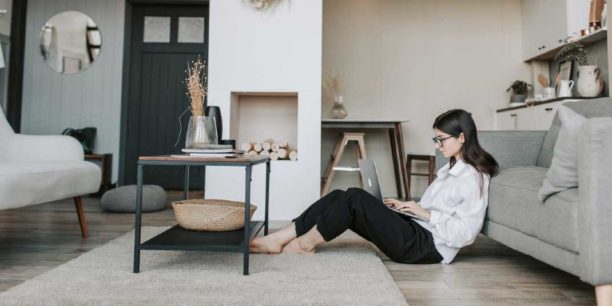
(369, 175)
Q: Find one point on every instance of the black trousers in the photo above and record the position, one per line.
(396, 235)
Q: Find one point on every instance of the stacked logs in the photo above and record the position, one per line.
(276, 150)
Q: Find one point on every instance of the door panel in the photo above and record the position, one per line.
(157, 97)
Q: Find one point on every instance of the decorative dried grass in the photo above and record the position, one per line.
(332, 85)
(196, 82)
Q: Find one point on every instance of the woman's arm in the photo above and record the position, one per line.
(410, 206)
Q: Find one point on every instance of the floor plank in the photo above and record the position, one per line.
(36, 239)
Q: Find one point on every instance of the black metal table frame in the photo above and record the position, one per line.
(248, 232)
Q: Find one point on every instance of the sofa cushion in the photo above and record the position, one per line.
(27, 183)
(514, 203)
(589, 109)
(563, 171)
(513, 198)
(558, 220)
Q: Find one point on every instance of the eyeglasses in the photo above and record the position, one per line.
(440, 141)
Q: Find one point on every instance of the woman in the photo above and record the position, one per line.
(454, 206)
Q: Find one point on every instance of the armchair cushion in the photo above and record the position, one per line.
(27, 183)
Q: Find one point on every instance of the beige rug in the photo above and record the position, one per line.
(346, 271)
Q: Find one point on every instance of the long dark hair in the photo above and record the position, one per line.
(457, 121)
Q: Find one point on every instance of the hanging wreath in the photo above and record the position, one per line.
(262, 4)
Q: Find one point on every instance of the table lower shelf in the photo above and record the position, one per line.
(178, 238)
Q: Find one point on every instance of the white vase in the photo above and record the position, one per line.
(589, 83)
(339, 111)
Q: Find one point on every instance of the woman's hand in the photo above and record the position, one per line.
(410, 206)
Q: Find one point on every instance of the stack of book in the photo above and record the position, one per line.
(212, 151)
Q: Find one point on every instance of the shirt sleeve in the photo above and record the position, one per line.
(461, 227)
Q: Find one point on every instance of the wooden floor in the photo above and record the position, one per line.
(36, 239)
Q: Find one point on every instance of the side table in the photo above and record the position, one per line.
(177, 238)
(105, 162)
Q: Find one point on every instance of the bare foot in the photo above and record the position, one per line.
(296, 246)
(264, 244)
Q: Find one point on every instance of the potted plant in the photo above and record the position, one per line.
(520, 89)
(589, 83)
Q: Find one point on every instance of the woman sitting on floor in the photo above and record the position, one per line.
(454, 206)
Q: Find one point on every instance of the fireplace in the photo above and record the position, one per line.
(265, 117)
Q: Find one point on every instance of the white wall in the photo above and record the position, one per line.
(54, 101)
(270, 51)
(416, 59)
(5, 20)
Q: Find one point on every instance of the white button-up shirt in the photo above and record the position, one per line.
(457, 207)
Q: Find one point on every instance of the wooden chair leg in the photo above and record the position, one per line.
(603, 294)
(78, 203)
(409, 176)
(432, 169)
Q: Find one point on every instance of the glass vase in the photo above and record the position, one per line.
(201, 132)
(338, 111)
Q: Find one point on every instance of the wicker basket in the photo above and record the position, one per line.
(210, 214)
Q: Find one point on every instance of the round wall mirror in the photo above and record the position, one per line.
(70, 42)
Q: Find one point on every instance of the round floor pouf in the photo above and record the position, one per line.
(123, 199)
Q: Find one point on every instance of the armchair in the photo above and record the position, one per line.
(39, 169)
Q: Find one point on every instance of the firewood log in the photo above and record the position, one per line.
(246, 146)
(266, 146)
(293, 155)
(273, 156)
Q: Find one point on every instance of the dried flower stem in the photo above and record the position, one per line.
(332, 85)
(197, 90)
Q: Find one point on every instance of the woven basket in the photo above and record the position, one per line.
(210, 214)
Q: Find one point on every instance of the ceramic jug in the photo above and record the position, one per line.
(589, 83)
(565, 88)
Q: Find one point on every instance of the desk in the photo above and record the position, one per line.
(397, 144)
(177, 238)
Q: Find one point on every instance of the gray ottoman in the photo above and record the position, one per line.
(123, 199)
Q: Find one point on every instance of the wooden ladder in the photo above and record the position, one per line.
(332, 166)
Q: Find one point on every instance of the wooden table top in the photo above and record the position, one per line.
(238, 159)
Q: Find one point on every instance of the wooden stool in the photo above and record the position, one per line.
(430, 174)
(332, 166)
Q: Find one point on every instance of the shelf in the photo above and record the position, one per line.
(585, 41)
(568, 99)
(178, 238)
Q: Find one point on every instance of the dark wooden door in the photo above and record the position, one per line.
(164, 39)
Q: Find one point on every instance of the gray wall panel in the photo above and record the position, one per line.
(53, 101)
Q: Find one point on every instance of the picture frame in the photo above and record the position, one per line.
(566, 70)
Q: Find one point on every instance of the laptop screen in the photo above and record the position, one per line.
(369, 176)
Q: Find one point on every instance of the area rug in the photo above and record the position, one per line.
(346, 271)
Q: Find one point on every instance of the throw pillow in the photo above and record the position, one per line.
(563, 171)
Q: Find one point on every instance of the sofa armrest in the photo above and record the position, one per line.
(595, 207)
(44, 148)
(509, 148)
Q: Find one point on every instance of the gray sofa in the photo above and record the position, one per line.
(571, 230)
